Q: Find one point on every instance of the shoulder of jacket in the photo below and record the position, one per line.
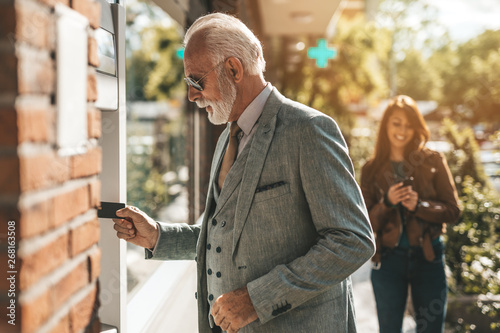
(431, 155)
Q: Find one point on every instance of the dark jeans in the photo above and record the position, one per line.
(401, 268)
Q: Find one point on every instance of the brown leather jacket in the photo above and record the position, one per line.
(438, 202)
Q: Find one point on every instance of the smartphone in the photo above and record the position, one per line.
(108, 209)
(408, 181)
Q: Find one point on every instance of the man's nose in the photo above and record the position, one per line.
(193, 94)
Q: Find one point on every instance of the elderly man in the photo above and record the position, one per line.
(285, 224)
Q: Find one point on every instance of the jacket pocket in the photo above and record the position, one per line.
(266, 192)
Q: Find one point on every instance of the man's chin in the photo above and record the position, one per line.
(215, 120)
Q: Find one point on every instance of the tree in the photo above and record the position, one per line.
(154, 72)
(416, 78)
(412, 24)
(472, 87)
(353, 77)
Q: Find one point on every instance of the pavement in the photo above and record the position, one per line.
(364, 302)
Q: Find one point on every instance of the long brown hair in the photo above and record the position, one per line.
(420, 136)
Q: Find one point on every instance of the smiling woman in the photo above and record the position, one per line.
(410, 195)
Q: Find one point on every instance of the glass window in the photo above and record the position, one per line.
(156, 160)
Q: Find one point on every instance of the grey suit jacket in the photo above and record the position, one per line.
(300, 224)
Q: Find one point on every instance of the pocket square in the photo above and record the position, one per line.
(269, 187)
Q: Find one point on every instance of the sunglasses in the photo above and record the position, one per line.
(196, 84)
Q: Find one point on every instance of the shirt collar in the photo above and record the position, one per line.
(251, 114)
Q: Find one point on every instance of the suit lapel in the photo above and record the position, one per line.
(255, 162)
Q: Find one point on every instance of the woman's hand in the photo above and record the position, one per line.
(405, 195)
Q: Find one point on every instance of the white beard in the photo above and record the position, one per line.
(221, 110)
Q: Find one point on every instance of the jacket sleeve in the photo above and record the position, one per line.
(345, 239)
(177, 241)
(444, 207)
(377, 210)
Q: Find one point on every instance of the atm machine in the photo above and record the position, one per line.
(111, 101)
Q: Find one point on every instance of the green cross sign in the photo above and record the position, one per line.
(322, 53)
(180, 53)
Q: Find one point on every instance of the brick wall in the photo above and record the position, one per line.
(50, 265)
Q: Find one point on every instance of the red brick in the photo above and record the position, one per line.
(90, 9)
(92, 51)
(81, 6)
(43, 261)
(33, 26)
(8, 127)
(94, 123)
(87, 164)
(34, 124)
(43, 170)
(36, 73)
(10, 175)
(52, 3)
(84, 237)
(95, 193)
(69, 205)
(35, 312)
(91, 88)
(83, 313)
(35, 219)
(95, 264)
(94, 14)
(70, 284)
(8, 73)
(62, 326)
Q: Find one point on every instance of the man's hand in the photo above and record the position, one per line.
(234, 310)
(136, 227)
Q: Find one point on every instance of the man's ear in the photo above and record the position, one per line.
(234, 68)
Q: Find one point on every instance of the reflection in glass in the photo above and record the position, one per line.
(106, 51)
(157, 172)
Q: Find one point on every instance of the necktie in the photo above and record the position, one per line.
(230, 155)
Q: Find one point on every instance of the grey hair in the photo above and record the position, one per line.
(226, 36)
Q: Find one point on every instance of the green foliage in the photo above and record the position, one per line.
(153, 70)
(416, 79)
(353, 77)
(147, 185)
(463, 158)
(472, 247)
(145, 188)
(360, 150)
(472, 86)
(473, 251)
(412, 25)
